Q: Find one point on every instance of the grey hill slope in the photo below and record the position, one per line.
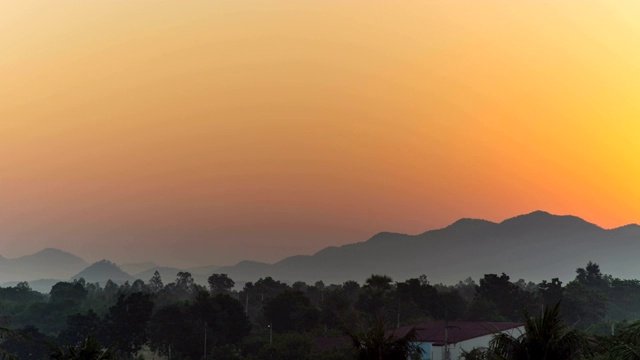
(45, 264)
(135, 268)
(533, 247)
(102, 271)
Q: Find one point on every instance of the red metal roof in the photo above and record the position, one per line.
(434, 331)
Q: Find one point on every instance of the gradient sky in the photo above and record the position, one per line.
(207, 132)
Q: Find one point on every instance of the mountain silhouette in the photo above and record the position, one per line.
(203, 270)
(51, 257)
(534, 246)
(45, 268)
(102, 271)
(45, 264)
(135, 268)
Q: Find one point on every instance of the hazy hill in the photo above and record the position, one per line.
(135, 268)
(45, 264)
(201, 273)
(204, 270)
(50, 257)
(102, 271)
(534, 246)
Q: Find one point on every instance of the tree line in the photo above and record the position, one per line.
(273, 319)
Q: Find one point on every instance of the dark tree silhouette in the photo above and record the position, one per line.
(220, 284)
(89, 349)
(126, 323)
(545, 337)
(291, 311)
(155, 283)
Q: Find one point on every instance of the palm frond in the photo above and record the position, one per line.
(545, 338)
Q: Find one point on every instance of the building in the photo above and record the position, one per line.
(442, 340)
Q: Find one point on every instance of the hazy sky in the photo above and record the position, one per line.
(208, 132)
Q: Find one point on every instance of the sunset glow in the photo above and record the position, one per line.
(230, 130)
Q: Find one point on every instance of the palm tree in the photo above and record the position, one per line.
(626, 345)
(89, 349)
(545, 337)
(375, 343)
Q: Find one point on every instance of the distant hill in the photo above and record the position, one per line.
(45, 264)
(102, 271)
(50, 257)
(203, 270)
(534, 247)
(201, 274)
(135, 268)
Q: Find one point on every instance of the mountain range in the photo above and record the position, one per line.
(533, 247)
(45, 264)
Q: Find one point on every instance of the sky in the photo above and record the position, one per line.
(209, 132)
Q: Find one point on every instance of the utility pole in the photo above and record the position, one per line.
(205, 339)
(270, 326)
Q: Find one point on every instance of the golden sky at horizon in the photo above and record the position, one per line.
(216, 131)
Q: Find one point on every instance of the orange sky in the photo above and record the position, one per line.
(208, 132)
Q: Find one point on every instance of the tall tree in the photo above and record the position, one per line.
(232, 324)
(255, 295)
(79, 326)
(590, 276)
(68, 293)
(127, 321)
(220, 284)
(170, 332)
(376, 296)
(550, 292)
(583, 306)
(155, 283)
(184, 281)
(291, 311)
(379, 283)
(138, 286)
(508, 298)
